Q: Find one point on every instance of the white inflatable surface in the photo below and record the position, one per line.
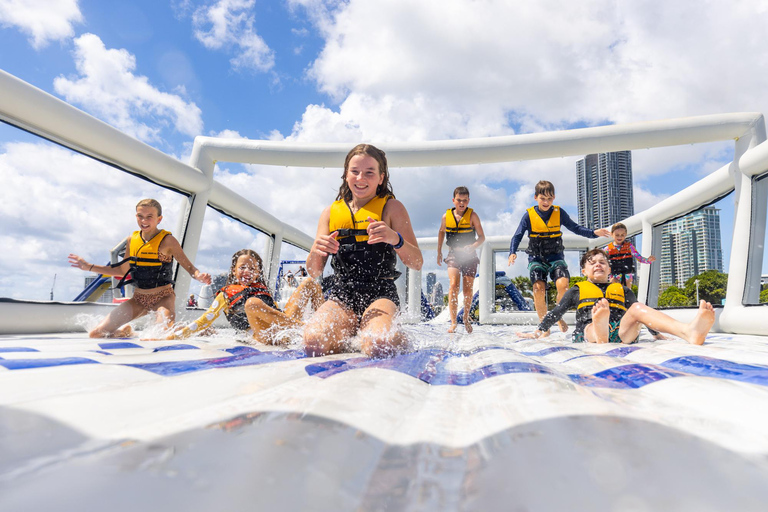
(459, 423)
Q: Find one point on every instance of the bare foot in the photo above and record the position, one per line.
(452, 328)
(696, 331)
(468, 326)
(563, 326)
(601, 314)
(125, 331)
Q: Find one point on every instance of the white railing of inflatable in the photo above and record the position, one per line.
(29, 108)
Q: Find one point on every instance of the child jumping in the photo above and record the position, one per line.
(622, 255)
(609, 312)
(463, 233)
(545, 246)
(247, 303)
(149, 261)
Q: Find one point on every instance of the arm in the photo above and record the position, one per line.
(171, 247)
(525, 225)
(566, 221)
(440, 238)
(205, 320)
(107, 270)
(396, 220)
(569, 300)
(639, 258)
(475, 223)
(325, 244)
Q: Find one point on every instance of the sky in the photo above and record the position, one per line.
(353, 71)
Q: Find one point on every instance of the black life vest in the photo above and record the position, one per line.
(590, 293)
(147, 270)
(237, 295)
(621, 259)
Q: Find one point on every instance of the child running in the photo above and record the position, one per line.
(149, 261)
(247, 303)
(364, 231)
(622, 255)
(545, 245)
(609, 312)
(463, 233)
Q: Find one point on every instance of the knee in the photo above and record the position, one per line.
(255, 304)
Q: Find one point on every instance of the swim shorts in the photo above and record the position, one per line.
(622, 278)
(466, 263)
(613, 334)
(555, 269)
(358, 296)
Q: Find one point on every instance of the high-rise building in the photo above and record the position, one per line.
(690, 245)
(431, 280)
(604, 189)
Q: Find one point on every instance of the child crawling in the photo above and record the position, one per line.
(609, 312)
(247, 303)
(149, 262)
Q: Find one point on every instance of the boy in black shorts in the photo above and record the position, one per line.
(463, 234)
(545, 246)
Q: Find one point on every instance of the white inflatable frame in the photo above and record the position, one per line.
(38, 112)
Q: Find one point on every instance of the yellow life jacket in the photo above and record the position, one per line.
(461, 233)
(545, 237)
(357, 260)
(590, 293)
(147, 271)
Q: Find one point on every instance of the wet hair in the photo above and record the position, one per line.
(544, 188)
(231, 279)
(383, 190)
(591, 254)
(460, 191)
(618, 225)
(153, 203)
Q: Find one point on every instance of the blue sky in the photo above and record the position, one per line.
(329, 71)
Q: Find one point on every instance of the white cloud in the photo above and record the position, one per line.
(108, 87)
(42, 20)
(229, 25)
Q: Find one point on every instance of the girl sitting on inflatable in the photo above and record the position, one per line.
(247, 303)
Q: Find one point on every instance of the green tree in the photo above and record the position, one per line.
(712, 285)
(673, 297)
(764, 296)
(523, 284)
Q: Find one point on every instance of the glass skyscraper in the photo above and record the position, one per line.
(604, 189)
(690, 245)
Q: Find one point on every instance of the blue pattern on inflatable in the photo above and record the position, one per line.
(18, 349)
(248, 357)
(710, 367)
(24, 364)
(111, 345)
(180, 346)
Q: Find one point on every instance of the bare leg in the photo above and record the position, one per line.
(165, 312)
(454, 277)
(467, 282)
(378, 337)
(308, 292)
(694, 332)
(326, 331)
(540, 300)
(598, 330)
(562, 287)
(114, 323)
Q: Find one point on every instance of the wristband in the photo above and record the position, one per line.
(400, 243)
(91, 267)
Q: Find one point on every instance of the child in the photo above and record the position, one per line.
(364, 231)
(247, 303)
(545, 246)
(609, 312)
(149, 261)
(622, 255)
(461, 229)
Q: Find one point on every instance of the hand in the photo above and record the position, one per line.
(78, 262)
(602, 232)
(511, 260)
(326, 244)
(379, 232)
(532, 335)
(439, 258)
(651, 259)
(202, 277)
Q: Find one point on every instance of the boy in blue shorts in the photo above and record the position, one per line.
(545, 247)
(608, 312)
